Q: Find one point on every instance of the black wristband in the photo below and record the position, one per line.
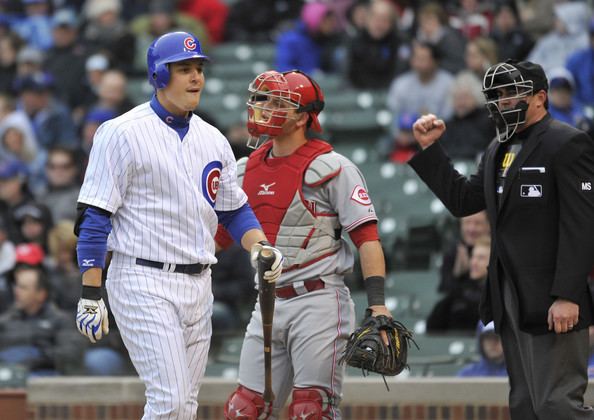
(374, 286)
(91, 292)
(264, 243)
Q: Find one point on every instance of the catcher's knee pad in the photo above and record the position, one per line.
(246, 404)
(313, 403)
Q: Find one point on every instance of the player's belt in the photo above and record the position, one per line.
(298, 288)
(174, 268)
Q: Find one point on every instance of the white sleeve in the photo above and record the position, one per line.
(110, 165)
(230, 196)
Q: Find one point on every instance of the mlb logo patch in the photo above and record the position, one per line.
(531, 191)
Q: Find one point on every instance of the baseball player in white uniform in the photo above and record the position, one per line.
(159, 181)
(304, 195)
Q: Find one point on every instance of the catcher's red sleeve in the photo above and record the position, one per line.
(364, 233)
(223, 238)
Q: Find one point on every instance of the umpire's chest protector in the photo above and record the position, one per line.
(275, 191)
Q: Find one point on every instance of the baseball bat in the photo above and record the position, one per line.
(267, 296)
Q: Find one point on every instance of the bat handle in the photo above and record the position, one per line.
(267, 297)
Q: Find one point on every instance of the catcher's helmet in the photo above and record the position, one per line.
(512, 80)
(170, 48)
(273, 95)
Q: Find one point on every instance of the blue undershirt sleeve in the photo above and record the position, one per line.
(91, 247)
(239, 221)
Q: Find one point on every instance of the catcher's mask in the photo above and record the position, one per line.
(273, 96)
(504, 82)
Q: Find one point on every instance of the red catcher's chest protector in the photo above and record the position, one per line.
(275, 190)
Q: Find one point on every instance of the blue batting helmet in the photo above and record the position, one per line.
(170, 48)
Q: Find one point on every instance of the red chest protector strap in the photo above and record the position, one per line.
(272, 184)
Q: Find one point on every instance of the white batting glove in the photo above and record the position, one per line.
(276, 269)
(92, 319)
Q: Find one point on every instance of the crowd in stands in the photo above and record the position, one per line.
(64, 70)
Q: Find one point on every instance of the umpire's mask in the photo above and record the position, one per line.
(504, 82)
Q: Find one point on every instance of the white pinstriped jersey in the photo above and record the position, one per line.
(162, 192)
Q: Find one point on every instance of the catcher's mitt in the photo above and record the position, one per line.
(366, 348)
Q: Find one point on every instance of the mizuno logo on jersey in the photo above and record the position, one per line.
(88, 262)
(266, 189)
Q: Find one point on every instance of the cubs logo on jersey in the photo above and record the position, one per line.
(210, 181)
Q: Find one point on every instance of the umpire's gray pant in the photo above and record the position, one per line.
(547, 373)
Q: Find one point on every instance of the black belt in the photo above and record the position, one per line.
(174, 268)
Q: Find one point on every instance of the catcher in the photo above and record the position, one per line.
(305, 195)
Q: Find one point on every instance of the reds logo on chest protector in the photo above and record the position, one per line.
(275, 191)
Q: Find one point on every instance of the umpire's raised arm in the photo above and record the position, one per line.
(462, 196)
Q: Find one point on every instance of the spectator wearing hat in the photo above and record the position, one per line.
(562, 103)
(107, 33)
(63, 183)
(96, 66)
(311, 45)
(94, 118)
(492, 359)
(50, 118)
(34, 332)
(66, 59)
(36, 26)
(581, 66)
(470, 129)
(14, 192)
(34, 222)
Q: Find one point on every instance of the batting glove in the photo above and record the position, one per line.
(276, 269)
(91, 314)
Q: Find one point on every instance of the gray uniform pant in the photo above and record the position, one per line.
(547, 373)
(309, 334)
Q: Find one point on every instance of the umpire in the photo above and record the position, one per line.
(535, 181)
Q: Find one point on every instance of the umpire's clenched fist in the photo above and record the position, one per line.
(427, 130)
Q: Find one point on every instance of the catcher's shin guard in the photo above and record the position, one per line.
(246, 404)
(313, 403)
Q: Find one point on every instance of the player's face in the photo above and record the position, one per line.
(182, 93)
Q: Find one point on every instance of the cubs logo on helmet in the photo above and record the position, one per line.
(211, 176)
(190, 44)
(170, 48)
